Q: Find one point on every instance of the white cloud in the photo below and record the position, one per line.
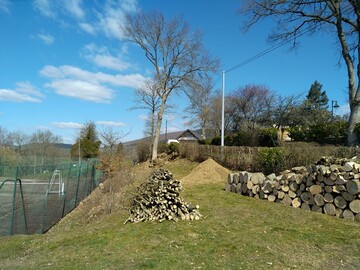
(82, 90)
(5, 6)
(45, 7)
(103, 58)
(110, 123)
(82, 84)
(47, 39)
(24, 92)
(74, 7)
(113, 16)
(88, 28)
(65, 125)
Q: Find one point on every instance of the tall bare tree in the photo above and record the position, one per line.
(253, 104)
(176, 53)
(198, 111)
(296, 17)
(147, 98)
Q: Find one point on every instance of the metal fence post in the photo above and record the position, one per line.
(13, 202)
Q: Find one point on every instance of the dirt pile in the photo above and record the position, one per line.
(208, 171)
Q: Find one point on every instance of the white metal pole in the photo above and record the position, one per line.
(223, 109)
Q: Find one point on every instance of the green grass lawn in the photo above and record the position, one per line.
(236, 232)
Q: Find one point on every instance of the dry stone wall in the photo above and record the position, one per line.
(331, 186)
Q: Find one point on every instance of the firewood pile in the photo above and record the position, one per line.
(331, 186)
(158, 199)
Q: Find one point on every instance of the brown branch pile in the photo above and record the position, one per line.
(159, 199)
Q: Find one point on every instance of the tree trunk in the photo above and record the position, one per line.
(158, 128)
(353, 120)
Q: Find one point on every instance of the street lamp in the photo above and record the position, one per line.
(335, 105)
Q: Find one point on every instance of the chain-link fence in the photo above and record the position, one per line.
(34, 198)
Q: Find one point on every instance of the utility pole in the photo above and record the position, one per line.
(223, 109)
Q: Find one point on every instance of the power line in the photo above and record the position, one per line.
(280, 44)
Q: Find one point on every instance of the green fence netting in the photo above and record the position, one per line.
(34, 198)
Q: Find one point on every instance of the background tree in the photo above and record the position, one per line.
(88, 143)
(43, 146)
(175, 52)
(253, 103)
(147, 98)
(315, 107)
(20, 140)
(199, 110)
(111, 139)
(316, 98)
(296, 17)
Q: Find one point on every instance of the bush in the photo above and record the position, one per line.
(143, 151)
(357, 130)
(270, 160)
(172, 149)
(269, 137)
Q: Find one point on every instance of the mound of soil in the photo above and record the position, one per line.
(207, 172)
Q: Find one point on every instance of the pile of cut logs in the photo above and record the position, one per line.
(331, 186)
(158, 199)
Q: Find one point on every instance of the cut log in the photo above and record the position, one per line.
(271, 198)
(329, 209)
(286, 200)
(340, 202)
(348, 214)
(353, 187)
(255, 189)
(296, 202)
(249, 184)
(257, 178)
(242, 177)
(328, 189)
(348, 175)
(348, 166)
(339, 188)
(328, 181)
(328, 197)
(281, 194)
(244, 188)
(340, 180)
(315, 189)
(292, 194)
(230, 178)
(238, 188)
(233, 188)
(347, 196)
(316, 208)
(357, 217)
(267, 188)
(236, 178)
(333, 176)
(293, 186)
(319, 199)
(308, 198)
(305, 206)
(227, 187)
(355, 206)
(285, 188)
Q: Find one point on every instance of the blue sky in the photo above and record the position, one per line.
(64, 62)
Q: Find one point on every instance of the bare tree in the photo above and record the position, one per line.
(215, 113)
(147, 98)
(175, 52)
(296, 17)
(285, 111)
(111, 138)
(253, 103)
(198, 111)
(20, 139)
